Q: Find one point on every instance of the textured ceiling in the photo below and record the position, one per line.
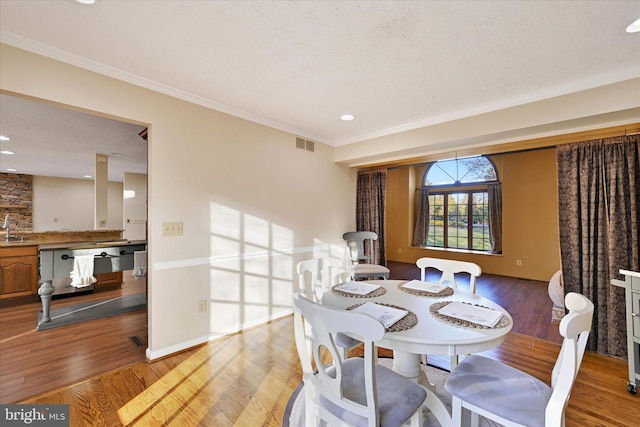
(297, 66)
(53, 141)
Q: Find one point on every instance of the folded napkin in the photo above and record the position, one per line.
(418, 285)
(82, 274)
(357, 288)
(472, 313)
(387, 315)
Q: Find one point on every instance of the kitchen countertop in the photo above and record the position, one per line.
(91, 245)
(53, 239)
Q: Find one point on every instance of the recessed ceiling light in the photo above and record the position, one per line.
(88, 176)
(11, 170)
(6, 152)
(634, 27)
(86, 1)
(4, 138)
(347, 117)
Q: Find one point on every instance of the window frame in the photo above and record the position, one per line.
(469, 216)
(458, 187)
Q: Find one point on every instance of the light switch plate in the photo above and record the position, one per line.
(172, 228)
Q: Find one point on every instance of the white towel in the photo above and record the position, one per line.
(139, 264)
(82, 274)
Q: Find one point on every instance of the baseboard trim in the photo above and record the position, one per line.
(185, 345)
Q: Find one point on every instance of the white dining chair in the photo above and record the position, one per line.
(315, 277)
(449, 268)
(511, 397)
(355, 391)
(362, 262)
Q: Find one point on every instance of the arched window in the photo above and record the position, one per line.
(460, 206)
(460, 171)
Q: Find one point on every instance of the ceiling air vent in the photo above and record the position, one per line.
(305, 144)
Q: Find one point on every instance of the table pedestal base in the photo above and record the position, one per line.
(408, 365)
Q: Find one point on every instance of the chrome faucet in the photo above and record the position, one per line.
(7, 225)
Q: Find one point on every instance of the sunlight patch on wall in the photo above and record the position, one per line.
(251, 268)
(322, 249)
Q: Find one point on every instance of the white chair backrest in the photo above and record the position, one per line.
(316, 276)
(326, 322)
(575, 328)
(356, 241)
(449, 267)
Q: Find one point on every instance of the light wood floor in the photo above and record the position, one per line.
(246, 379)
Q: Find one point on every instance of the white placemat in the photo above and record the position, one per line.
(431, 287)
(472, 313)
(385, 314)
(357, 288)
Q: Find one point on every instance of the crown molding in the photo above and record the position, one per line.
(12, 39)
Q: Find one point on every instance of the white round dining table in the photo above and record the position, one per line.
(430, 335)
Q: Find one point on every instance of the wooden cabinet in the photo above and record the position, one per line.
(108, 281)
(18, 271)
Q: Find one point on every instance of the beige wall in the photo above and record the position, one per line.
(530, 217)
(618, 104)
(68, 204)
(251, 204)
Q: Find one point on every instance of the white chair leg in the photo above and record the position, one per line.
(475, 419)
(456, 412)
(310, 411)
(416, 419)
(454, 362)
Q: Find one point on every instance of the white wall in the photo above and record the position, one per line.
(68, 204)
(252, 204)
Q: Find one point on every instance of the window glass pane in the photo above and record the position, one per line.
(435, 236)
(480, 230)
(457, 221)
(475, 169)
(443, 172)
(456, 171)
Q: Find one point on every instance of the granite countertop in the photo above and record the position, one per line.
(64, 238)
(91, 244)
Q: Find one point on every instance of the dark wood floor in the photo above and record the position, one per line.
(32, 362)
(526, 300)
(246, 379)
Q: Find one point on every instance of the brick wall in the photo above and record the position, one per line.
(16, 199)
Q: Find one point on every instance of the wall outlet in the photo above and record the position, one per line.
(202, 306)
(172, 228)
(519, 262)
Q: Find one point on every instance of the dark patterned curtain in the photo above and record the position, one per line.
(421, 229)
(370, 207)
(598, 198)
(494, 192)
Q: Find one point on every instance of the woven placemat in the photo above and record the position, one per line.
(407, 322)
(433, 309)
(443, 293)
(378, 292)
